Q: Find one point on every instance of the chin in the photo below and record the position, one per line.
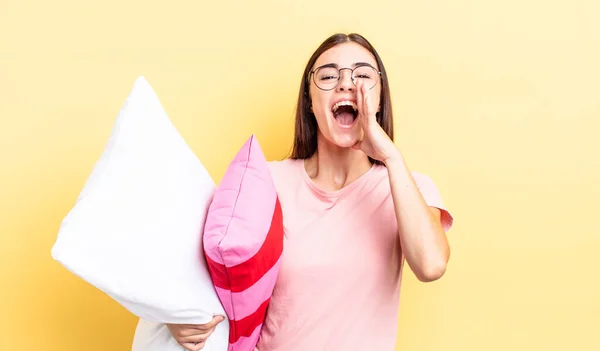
(343, 136)
(344, 141)
(338, 134)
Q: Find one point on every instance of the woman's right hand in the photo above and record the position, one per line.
(193, 336)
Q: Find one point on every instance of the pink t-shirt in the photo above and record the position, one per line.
(339, 283)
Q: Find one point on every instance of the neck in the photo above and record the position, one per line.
(333, 167)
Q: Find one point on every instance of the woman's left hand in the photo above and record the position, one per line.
(375, 142)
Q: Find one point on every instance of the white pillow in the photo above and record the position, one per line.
(135, 230)
(151, 336)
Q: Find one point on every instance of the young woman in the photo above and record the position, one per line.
(353, 213)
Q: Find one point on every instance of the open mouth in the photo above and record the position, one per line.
(345, 112)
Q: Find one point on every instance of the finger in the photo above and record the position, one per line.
(364, 95)
(359, 98)
(216, 320)
(208, 326)
(194, 346)
(364, 102)
(195, 338)
(190, 330)
(179, 331)
(368, 110)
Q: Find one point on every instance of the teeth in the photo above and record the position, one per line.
(344, 103)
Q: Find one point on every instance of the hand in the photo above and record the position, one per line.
(193, 337)
(375, 142)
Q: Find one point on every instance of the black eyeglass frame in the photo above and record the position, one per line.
(312, 73)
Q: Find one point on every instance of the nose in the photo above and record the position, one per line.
(345, 83)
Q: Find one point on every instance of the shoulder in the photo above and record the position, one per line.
(430, 192)
(433, 197)
(284, 170)
(424, 183)
(423, 180)
(286, 177)
(278, 164)
(283, 166)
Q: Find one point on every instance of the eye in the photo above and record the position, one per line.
(327, 74)
(365, 72)
(327, 77)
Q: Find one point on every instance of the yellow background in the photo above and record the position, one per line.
(498, 101)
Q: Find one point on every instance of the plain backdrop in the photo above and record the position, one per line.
(497, 101)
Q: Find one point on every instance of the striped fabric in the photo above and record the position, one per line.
(243, 243)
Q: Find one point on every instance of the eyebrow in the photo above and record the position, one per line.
(362, 64)
(356, 64)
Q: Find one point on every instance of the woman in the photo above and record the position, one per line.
(353, 213)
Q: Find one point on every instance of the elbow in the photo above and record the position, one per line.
(432, 271)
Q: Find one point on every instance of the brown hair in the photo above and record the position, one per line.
(305, 134)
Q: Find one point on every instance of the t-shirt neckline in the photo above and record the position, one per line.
(332, 193)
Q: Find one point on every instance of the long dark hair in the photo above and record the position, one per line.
(305, 134)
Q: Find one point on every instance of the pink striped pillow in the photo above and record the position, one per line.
(243, 243)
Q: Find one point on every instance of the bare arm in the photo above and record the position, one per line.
(423, 240)
(422, 237)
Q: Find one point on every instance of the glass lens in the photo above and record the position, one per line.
(327, 78)
(367, 74)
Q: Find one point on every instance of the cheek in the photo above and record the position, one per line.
(376, 100)
(319, 105)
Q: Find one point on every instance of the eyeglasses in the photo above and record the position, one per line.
(327, 77)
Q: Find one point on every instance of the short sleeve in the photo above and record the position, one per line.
(433, 198)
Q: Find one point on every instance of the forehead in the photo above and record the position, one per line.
(346, 55)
